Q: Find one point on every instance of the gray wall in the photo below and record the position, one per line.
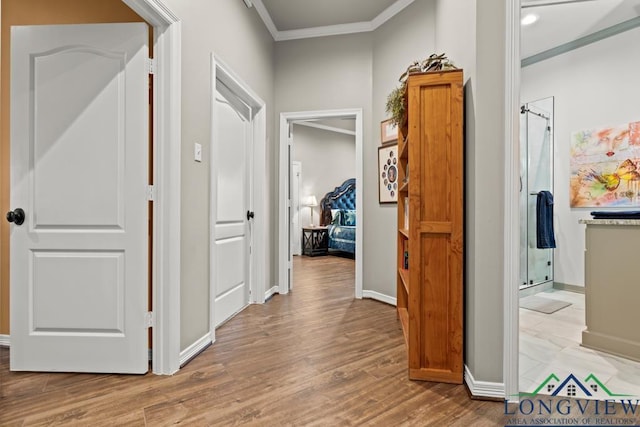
(473, 38)
(486, 198)
(406, 37)
(238, 36)
(355, 71)
(331, 73)
(327, 158)
(583, 100)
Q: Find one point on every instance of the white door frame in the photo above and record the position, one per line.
(165, 256)
(286, 120)
(258, 259)
(511, 243)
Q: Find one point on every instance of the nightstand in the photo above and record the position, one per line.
(315, 241)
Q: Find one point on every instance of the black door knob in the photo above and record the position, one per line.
(16, 216)
(250, 215)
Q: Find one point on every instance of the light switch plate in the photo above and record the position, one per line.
(197, 152)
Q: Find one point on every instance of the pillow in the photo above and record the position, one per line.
(349, 218)
(336, 217)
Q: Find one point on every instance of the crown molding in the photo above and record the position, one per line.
(538, 3)
(329, 30)
(266, 18)
(390, 12)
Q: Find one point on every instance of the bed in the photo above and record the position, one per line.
(338, 214)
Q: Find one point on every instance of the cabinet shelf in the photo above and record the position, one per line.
(404, 148)
(404, 277)
(403, 315)
(404, 232)
(404, 188)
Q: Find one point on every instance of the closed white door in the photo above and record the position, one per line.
(79, 150)
(232, 145)
(296, 230)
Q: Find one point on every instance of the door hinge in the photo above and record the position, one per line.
(151, 192)
(151, 65)
(149, 320)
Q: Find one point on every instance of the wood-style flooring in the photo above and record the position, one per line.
(317, 357)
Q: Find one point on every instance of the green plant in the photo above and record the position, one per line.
(396, 102)
(395, 106)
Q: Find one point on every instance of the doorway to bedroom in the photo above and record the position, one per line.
(320, 168)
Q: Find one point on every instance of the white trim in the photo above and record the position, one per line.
(270, 292)
(539, 3)
(266, 18)
(380, 297)
(5, 341)
(329, 30)
(167, 140)
(325, 127)
(359, 203)
(257, 278)
(155, 12)
(194, 349)
(511, 240)
(390, 12)
(284, 240)
(283, 226)
(482, 388)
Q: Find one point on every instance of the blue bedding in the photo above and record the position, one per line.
(342, 238)
(339, 215)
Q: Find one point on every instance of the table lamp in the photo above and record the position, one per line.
(312, 202)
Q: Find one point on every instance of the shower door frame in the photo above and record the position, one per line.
(527, 193)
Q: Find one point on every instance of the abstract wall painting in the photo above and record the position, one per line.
(605, 167)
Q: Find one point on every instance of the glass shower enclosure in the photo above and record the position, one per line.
(536, 174)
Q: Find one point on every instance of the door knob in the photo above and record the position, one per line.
(250, 215)
(16, 216)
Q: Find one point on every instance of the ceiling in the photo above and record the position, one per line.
(560, 21)
(297, 19)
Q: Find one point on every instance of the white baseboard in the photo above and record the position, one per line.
(271, 292)
(194, 349)
(483, 388)
(379, 297)
(5, 341)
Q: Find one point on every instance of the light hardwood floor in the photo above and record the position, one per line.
(317, 357)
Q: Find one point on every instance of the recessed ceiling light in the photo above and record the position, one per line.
(529, 19)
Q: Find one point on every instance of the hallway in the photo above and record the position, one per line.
(314, 357)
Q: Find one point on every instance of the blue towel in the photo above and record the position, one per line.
(544, 221)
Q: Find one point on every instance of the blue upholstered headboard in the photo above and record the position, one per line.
(343, 197)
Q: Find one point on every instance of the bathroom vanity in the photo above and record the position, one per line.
(612, 287)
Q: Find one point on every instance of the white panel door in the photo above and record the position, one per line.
(296, 229)
(79, 150)
(232, 144)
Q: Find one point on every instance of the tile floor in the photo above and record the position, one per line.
(550, 343)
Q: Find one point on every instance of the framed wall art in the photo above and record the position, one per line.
(605, 167)
(388, 173)
(388, 132)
